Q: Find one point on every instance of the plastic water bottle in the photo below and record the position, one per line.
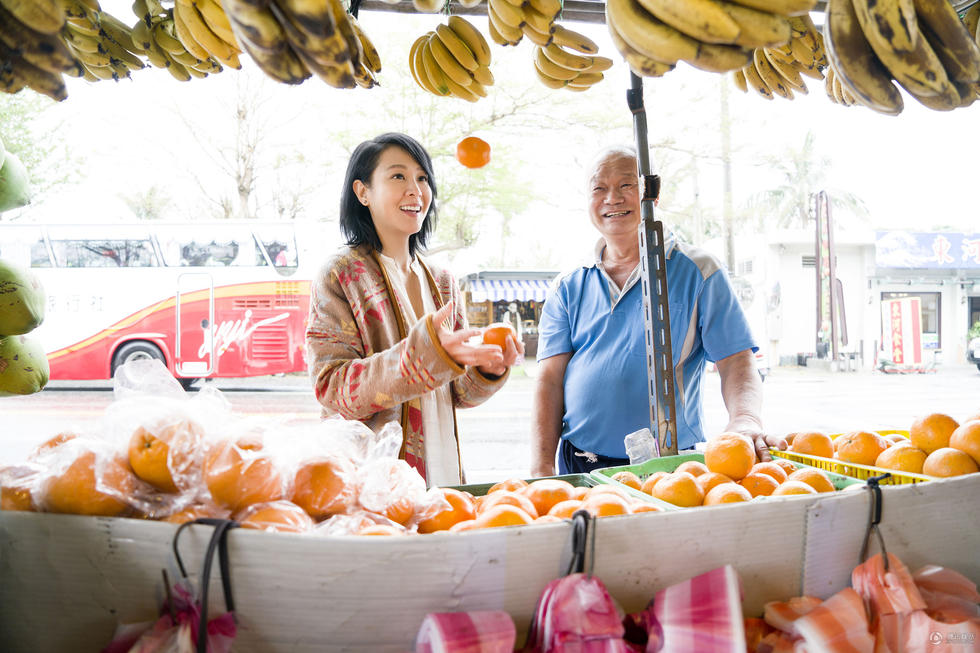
(641, 446)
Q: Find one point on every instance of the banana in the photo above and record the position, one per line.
(550, 8)
(538, 22)
(586, 79)
(715, 58)
(414, 65)
(495, 36)
(460, 91)
(828, 84)
(600, 64)
(334, 59)
(165, 39)
(102, 73)
(178, 71)
(512, 35)
(472, 38)
(507, 14)
(348, 76)
(536, 37)
(477, 88)
(217, 20)
(428, 6)
(801, 52)
(647, 34)
(431, 69)
(970, 20)
(704, 20)
(567, 59)
(457, 47)
(283, 66)
(194, 72)
(44, 16)
(575, 41)
(184, 35)
(738, 77)
(80, 42)
(781, 7)
(917, 69)
(21, 72)
(141, 35)
(251, 23)
(855, 62)
(755, 82)
(483, 76)
(447, 62)
(123, 55)
(548, 81)
(207, 39)
(546, 66)
(342, 19)
(770, 76)
(786, 72)
(45, 51)
(185, 58)
(758, 29)
(950, 40)
(372, 58)
(638, 63)
(118, 31)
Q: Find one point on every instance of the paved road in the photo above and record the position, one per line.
(495, 435)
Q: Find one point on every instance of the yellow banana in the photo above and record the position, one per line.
(570, 39)
(46, 51)
(283, 66)
(567, 59)
(472, 38)
(781, 7)
(120, 53)
(704, 20)
(511, 35)
(342, 20)
(415, 65)
(207, 39)
(755, 82)
(950, 40)
(647, 34)
(507, 14)
(738, 77)
(536, 37)
(770, 76)
(889, 25)
(638, 63)
(758, 29)
(788, 73)
(483, 76)
(802, 53)
(372, 58)
(716, 58)
(971, 18)
(80, 42)
(461, 91)
(165, 39)
(118, 31)
(600, 64)
(495, 36)
(537, 21)
(550, 8)
(44, 16)
(477, 88)
(184, 35)
(855, 63)
(141, 35)
(586, 79)
(457, 46)
(431, 70)
(548, 81)
(550, 68)
(333, 75)
(217, 20)
(99, 72)
(21, 72)
(447, 62)
(251, 23)
(428, 6)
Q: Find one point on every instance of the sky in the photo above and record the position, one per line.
(913, 171)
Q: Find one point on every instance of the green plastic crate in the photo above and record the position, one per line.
(670, 463)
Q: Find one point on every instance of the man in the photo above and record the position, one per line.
(592, 372)
(512, 316)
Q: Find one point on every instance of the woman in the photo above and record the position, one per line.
(387, 336)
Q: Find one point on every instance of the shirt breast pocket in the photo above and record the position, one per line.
(678, 331)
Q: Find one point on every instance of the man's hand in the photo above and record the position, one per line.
(761, 441)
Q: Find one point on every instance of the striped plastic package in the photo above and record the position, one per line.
(490, 631)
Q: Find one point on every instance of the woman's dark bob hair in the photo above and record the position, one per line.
(355, 218)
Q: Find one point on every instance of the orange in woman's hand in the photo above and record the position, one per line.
(496, 334)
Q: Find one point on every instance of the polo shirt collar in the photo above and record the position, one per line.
(615, 293)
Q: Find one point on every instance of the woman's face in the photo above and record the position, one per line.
(398, 195)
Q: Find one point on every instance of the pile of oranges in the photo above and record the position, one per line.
(730, 473)
(937, 445)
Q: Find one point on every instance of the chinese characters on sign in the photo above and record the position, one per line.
(906, 249)
(901, 337)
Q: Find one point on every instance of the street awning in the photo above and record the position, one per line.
(497, 290)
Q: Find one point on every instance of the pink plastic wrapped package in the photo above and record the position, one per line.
(703, 614)
(576, 614)
(782, 615)
(839, 624)
(466, 632)
(890, 591)
(950, 596)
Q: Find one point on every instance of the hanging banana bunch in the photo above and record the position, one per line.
(512, 20)
(452, 60)
(32, 53)
(559, 68)
(156, 33)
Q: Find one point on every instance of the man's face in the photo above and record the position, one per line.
(614, 198)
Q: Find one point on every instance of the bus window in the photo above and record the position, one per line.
(211, 247)
(280, 243)
(24, 246)
(103, 253)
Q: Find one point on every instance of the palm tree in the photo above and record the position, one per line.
(801, 173)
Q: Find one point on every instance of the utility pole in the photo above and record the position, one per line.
(726, 162)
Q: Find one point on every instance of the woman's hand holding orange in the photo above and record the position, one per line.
(486, 358)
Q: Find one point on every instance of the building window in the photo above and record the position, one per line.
(931, 315)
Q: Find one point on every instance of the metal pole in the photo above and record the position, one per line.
(653, 265)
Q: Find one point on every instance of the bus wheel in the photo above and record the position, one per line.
(135, 351)
(186, 383)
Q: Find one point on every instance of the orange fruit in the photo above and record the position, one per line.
(277, 517)
(565, 509)
(161, 452)
(774, 469)
(497, 334)
(947, 461)
(897, 438)
(381, 529)
(15, 487)
(51, 443)
(644, 506)
(731, 454)
(325, 486)
(547, 492)
(679, 490)
(726, 493)
(238, 474)
(503, 514)
(74, 491)
(709, 480)
(813, 443)
(932, 431)
(975, 417)
(692, 467)
(815, 478)
(461, 508)
(902, 458)
(793, 487)
(548, 519)
(508, 498)
(580, 492)
(861, 447)
(788, 465)
(628, 478)
(511, 485)
(195, 511)
(651, 480)
(759, 484)
(966, 438)
(466, 525)
(607, 489)
(606, 505)
(473, 152)
(399, 509)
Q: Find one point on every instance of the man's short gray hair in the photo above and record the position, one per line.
(609, 154)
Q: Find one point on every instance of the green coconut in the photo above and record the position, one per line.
(22, 300)
(23, 366)
(15, 185)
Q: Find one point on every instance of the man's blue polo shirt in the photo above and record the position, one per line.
(606, 378)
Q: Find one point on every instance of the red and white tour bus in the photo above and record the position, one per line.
(217, 299)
